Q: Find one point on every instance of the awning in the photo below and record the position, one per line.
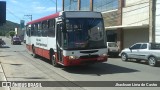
(126, 27)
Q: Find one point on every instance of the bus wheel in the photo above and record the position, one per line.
(54, 63)
(33, 52)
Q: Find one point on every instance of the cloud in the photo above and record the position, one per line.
(14, 1)
(38, 7)
(42, 9)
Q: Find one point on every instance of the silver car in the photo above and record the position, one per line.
(142, 51)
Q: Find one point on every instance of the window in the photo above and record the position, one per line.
(136, 46)
(155, 46)
(70, 5)
(44, 25)
(32, 30)
(144, 46)
(104, 5)
(51, 28)
(85, 5)
(28, 31)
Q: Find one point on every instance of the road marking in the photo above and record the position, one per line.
(3, 76)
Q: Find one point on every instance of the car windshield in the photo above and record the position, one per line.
(16, 39)
(84, 33)
(112, 44)
(155, 46)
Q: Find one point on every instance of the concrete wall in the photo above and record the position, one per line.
(110, 18)
(133, 2)
(157, 28)
(132, 36)
(136, 12)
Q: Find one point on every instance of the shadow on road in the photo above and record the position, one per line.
(6, 55)
(143, 62)
(4, 46)
(95, 69)
(99, 69)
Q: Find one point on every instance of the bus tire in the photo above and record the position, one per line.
(54, 63)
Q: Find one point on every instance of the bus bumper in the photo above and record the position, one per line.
(75, 62)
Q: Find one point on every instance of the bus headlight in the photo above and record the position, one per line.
(104, 55)
(72, 57)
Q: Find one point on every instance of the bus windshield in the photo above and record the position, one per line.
(84, 33)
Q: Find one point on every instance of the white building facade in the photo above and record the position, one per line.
(135, 22)
(157, 22)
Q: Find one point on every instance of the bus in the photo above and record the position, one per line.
(68, 38)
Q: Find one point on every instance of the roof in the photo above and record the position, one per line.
(44, 18)
(127, 27)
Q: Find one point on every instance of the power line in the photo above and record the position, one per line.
(13, 14)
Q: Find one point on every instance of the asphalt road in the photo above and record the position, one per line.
(19, 65)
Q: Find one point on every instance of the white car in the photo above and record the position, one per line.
(113, 49)
(142, 51)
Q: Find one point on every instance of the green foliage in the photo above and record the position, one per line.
(12, 33)
(7, 27)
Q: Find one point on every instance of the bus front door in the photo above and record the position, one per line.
(59, 42)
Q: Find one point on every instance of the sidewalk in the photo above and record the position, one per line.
(2, 75)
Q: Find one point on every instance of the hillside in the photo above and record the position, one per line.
(8, 26)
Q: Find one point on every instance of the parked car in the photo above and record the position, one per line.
(16, 40)
(142, 51)
(2, 43)
(113, 49)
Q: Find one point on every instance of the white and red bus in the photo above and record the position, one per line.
(68, 38)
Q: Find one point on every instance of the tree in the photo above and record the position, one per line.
(12, 33)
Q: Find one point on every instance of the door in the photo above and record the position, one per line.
(143, 51)
(59, 41)
(28, 37)
(134, 51)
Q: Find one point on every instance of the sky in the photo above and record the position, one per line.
(17, 10)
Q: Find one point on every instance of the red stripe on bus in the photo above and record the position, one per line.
(46, 54)
(44, 18)
(39, 51)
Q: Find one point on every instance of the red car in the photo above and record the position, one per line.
(16, 41)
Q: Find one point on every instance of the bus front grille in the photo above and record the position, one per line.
(88, 56)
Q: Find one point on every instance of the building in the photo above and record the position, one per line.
(135, 22)
(157, 23)
(126, 21)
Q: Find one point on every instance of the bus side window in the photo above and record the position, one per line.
(32, 30)
(39, 29)
(35, 29)
(51, 28)
(27, 30)
(44, 28)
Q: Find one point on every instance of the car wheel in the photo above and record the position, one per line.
(152, 61)
(54, 63)
(124, 57)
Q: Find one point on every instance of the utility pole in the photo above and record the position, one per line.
(152, 15)
(29, 16)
